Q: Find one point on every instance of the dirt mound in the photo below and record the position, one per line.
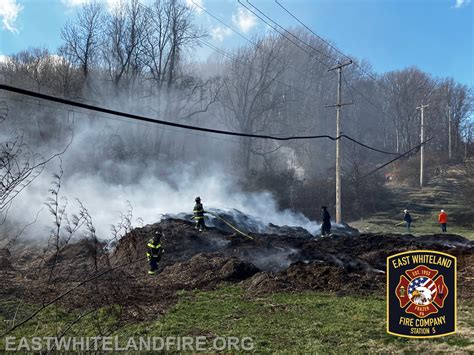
(357, 265)
(193, 260)
(346, 263)
(205, 271)
(316, 276)
(75, 261)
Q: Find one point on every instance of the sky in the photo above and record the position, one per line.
(434, 35)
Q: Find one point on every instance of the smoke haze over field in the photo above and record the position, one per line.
(105, 186)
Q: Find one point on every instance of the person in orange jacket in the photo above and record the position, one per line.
(443, 221)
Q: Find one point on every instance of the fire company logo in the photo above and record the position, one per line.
(421, 294)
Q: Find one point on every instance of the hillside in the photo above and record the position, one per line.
(450, 190)
(288, 291)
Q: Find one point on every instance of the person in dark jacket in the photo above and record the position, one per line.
(326, 226)
(199, 214)
(153, 252)
(407, 219)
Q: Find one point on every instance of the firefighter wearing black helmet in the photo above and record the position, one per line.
(198, 212)
(326, 225)
(153, 252)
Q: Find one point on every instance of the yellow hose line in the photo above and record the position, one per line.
(230, 225)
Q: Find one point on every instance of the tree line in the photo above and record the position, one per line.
(142, 58)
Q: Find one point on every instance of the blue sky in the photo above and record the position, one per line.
(434, 35)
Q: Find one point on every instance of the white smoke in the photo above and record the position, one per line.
(150, 198)
(152, 190)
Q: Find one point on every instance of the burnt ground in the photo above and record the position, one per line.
(291, 262)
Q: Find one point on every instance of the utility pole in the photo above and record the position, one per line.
(422, 138)
(449, 133)
(338, 106)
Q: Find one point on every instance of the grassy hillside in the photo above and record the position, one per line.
(446, 191)
(292, 311)
(300, 322)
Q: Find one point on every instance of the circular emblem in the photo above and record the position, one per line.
(422, 291)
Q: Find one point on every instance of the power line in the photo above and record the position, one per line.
(151, 120)
(255, 44)
(350, 86)
(365, 72)
(121, 120)
(338, 51)
(144, 124)
(177, 125)
(314, 33)
(222, 22)
(407, 153)
(296, 37)
(282, 34)
(362, 70)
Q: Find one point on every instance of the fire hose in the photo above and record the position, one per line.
(230, 225)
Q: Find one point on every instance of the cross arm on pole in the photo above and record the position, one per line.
(340, 65)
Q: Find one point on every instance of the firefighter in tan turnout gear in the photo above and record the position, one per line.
(199, 214)
(153, 252)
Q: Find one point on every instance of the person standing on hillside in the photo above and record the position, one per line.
(326, 226)
(443, 221)
(407, 219)
(198, 212)
(153, 252)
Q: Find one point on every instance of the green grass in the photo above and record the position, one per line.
(441, 192)
(423, 225)
(302, 322)
(52, 321)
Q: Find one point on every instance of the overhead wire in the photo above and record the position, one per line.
(312, 47)
(334, 60)
(407, 153)
(123, 120)
(151, 120)
(314, 33)
(274, 27)
(365, 72)
(350, 86)
(178, 125)
(252, 42)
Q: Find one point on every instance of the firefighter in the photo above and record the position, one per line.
(154, 251)
(326, 226)
(199, 214)
(407, 219)
(443, 221)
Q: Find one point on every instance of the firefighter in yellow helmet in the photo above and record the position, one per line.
(198, 212)
(153, 252)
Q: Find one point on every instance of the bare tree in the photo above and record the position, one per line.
(248, 94)
(19, 166)
(408, 88)
(125, 30)
(83, 37)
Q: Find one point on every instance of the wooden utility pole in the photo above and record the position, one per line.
(338, 106)
(422, 138)
(449, 133)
